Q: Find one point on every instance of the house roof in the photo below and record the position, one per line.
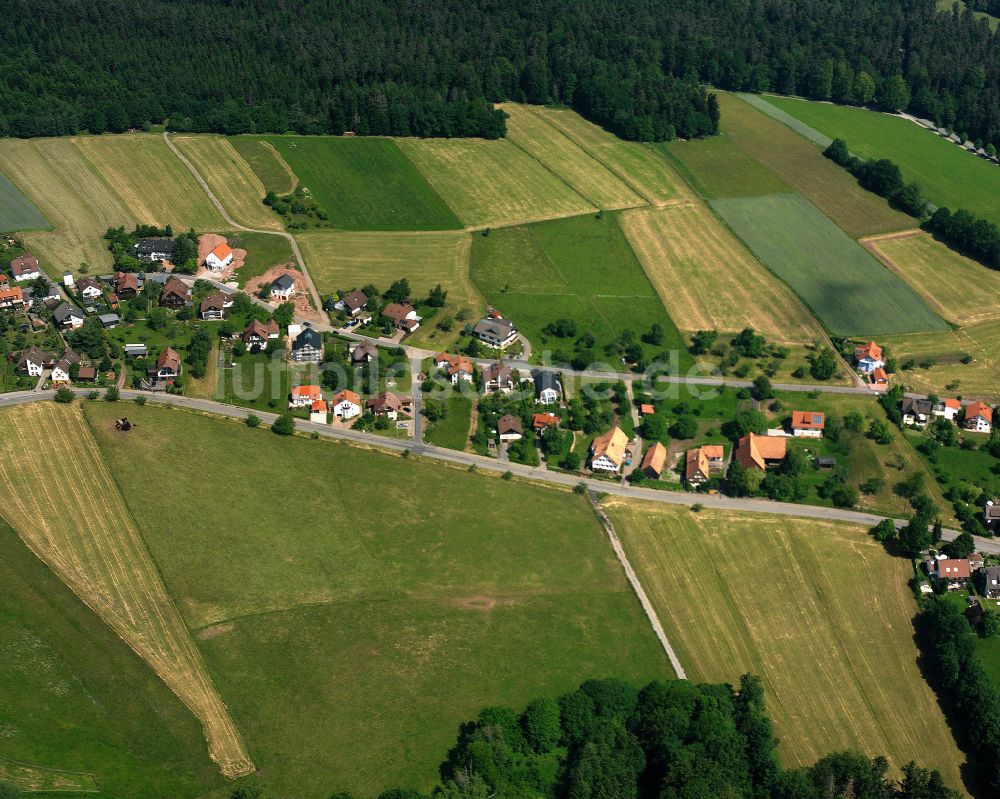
(24, 264)
(611, 445)
(993, 509)
(14, 293)
(169, 359)
(255, 328)
(879, 376)
(544, 380)
(397, 311)
(454, 363)
(86, 283)
(539, 421)
(656, 457)
(69, 356)
(34, 355)
(222, 252)
(498, 372)
(347, 396)
(697, 460)
(754, 451)
(713, 451)
(364, 349)
(87, 373)
(808, 420)
(355, 300)
(952, 568)
(307, 392)
(508, 423)
(214, 302)
(869, 350)
(177, 288)
(497, 328)
(318, 406)
(645, 409)
(384, 402)
(126, 280)
(915, 406)
(954, 404)
(979, 409)
(284, 282)
(65, 311)
(149, 246)
(307, 338)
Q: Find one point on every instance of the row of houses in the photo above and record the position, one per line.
(346, 404)
(977, 416)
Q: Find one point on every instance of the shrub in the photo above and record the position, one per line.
(140, 400)
(252, 420)
(284, 425)
(64, 395)
(112, 394)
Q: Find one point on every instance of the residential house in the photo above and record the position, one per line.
(214, 306)
(498, 377)
(257, 335)
(167, 368)
(219, 258)
(646, 409)
(68, 316)
(307, 347)
(654, 461)
(548, 389)
(363, 352)
(916, 412)
(976, 561)
(991, 586)
(991, 516)
(951, 571)
(947, 409)
(701, 462)
(509, 428)
(808, 424)
(352, 303)
(496, 333)
(175, 294)
(978, 417)
(89, 288)
(608, 451)
(318, 412)
(61, 368)
(283, 287)
(402, 315)
(155, 249)
(305, 395)
(113, 301)
(540, 422)
(759, 452)
(126, 285)
(68, 279)
(109, 320)
(868, 358)
(25, 268)
(87, 374)
(11, 297)
(457, 367)
(878, 380)
(346, 405)
(389, 405)
(33, 362)
(135, 350)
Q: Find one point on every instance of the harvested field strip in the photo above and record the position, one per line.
(962, 291)
(644, 170)
(707, 278)
(561, 155)
(231, 180)
(817, 609)
(493, 183)
(267, 164)
(69, 512)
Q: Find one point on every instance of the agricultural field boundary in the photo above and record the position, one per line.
(761, 104)
(43, 779)
(17, 212)
(85, 534)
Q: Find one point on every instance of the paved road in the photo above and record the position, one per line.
(470, 460)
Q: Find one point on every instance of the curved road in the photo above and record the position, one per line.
(470, 460)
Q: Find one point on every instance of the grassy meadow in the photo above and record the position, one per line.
(81, 712)
(959, 289)
(452, 432)
(492, 183)
(231, 179)
(16, 211)
(365, 183)
(263, 252)
(949, 175)
(352, 625)
(266, 162)
(580, 269)
(717, 167)
(818, 609)
(708, 280)
(799, 244)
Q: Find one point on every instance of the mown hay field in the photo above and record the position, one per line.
(848, 290)
(231, 179)
(961, 290)
(529, 129)
(717, 167)
(16, 211)
(69, 512)
(365, 183)
(266, 162)
(817, 609)
(644, 170)
(492, 183)
(81, 712)
(949, 175)
(708, 280)
(352, 628)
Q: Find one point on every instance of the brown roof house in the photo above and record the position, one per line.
(759, 452)
(509, 428)
(167, 369)
(126, 285)
(214, 306)
(607, 452)
(654, 461)
(388, 404)
(402, 315)
(701, 462)
(176, 294)
(257, 335)
(498, 377)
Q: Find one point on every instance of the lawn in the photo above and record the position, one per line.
(958, 466)
(581, 269)
(80, 711)
(231, 179)
(452, 432)
(959, 289)
(492, 183)
(793, 160)
(949, 175)
(89, 539)
(708, 280)
(818, 609)
(263, 252)
(267, 164)
(645, 171)
(529, 129)
(17, 211)
(365, 183)
(845, 287)
(350, 617)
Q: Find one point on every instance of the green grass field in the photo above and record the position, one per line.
(581, 269)
(818, 609)
(267, 164)
(452, 431)
(844, 286)
(949, 5)
(949, 175)
(365, 183)
(17, 211)
(80, 711)
(353, 624)
(263, 252)
(717, 167)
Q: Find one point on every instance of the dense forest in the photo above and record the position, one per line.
(432, 68)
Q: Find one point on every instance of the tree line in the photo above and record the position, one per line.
(433, 68)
